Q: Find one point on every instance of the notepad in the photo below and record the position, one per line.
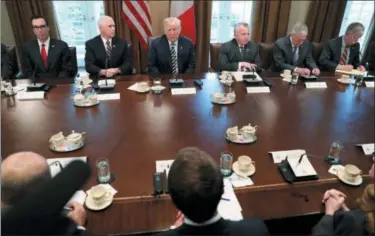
(279, 156)
(352, 72)
(54, 163)
(368, 148)
(302, 169)
(182, 91)
(229, 207)
(108, 96)
(39, 95)
(262, 89)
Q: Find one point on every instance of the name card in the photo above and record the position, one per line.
(30, 95)
(369, 84)
(109, 96)
(316, 85)
(262, 89)
(367, 148)
(180, 91)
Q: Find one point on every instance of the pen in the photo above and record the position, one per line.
(225, 199)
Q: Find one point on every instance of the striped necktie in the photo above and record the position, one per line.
(295, 55)
(108, 50)
(344, 56)
(174, 58)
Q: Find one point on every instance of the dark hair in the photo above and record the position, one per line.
(195, 184)
(13, 192)
(38, 17)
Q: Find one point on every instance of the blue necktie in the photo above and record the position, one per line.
(295, 55)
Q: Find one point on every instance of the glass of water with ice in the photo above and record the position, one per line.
(226, 160)
(103, 171)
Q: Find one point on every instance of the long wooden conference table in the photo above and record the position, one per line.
(139, 129)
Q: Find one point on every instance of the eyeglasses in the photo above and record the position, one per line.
(39, 26)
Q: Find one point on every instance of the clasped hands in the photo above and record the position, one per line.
(350, 67)
(109, 72)
(334, 200)
(305, 71)
(247, 65)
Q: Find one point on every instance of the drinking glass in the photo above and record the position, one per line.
(334, 151)
(294, 79)
(226, 160)
(103, 171)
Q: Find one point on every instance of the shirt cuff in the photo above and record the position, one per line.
(81, 227)
(173, 227)
(295, 69)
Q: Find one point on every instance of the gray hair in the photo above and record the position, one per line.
(236, 26)
(171, 20)
(300, 28)
(356, 28)
(103, 18)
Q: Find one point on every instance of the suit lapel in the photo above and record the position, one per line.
(338, 48)
(180, 49)
(166, 46)
(38, 56)
(289, 49)
(51, 52)
(237, 53)
(101, 49)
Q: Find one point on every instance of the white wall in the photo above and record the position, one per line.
(298, 13)
(6, 30)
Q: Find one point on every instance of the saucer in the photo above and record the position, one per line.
(344, 81)
(249, 172)
(66, 146)
(241, 140)
(341, 176)
(94, 207)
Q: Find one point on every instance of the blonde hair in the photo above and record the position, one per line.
(170, 20)
(367, 204)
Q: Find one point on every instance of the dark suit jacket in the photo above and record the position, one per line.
(95, 56)
(230, 55)
(371, 57)
(59, 60)
(223, 227)
(331, 54)
(283, 55)
(159, 56)
(351, 223)
(6, 64)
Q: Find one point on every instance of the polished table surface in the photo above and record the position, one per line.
(139, 129)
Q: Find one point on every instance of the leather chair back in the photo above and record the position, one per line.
(73, 55)
(317, 49)
(13, 60)
(214, 56)
(266, 55)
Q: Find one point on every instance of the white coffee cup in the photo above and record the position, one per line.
(75, 138)
(142, 86)
(57, 139)
(99, 194)
(287, 73)
(244, 163)
(352, 172)
(345, 78)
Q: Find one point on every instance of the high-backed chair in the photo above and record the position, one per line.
(13, 60)
(317, 49)
(214, 56)
(73, 54)
(266, 55)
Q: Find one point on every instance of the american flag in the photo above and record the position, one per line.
(137, 15)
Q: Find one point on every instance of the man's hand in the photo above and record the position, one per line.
(111, 72)
(102, 72)
(303, 71)
(247, 65)
(78, 213)
(361, 68)
(333, 205)
(316, 72)
(345, 67)
(333, 193)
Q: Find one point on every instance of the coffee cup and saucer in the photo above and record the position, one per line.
(98, 198)
(244, 166)
(344, 79)
(351, 175)
(287, 74)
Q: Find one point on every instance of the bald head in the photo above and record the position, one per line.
(21, 173)
(106, 27)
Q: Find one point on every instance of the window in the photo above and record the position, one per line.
(225, 14)
(78, 22)
(359, 11)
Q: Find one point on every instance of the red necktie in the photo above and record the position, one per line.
(344, 56)
(43, 52)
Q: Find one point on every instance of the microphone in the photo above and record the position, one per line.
(106, 67)
(33, 76)
(40, 212)
(35, 86)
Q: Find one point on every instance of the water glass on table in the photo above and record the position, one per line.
(103, 171)
(226, 161)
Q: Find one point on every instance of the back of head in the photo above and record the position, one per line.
(195, 184)
(367, 204)
(21, 174)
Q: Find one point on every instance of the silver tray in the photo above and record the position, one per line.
(241, 140)
(67, 147)
(229, 101)
(87, 104)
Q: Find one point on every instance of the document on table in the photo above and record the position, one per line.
(367, 148)
(279, 156)
(229, 207)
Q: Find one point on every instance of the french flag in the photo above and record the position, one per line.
(184, 11)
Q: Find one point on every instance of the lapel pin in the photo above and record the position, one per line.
(114, 46)
(52, 46)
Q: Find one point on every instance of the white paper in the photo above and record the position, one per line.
(238, 75)
(19, 88)
(163, 165)
(368, 148)
(279, 156)
(64, 161)
(303, 168)
(335, 169)
(240, 181)
(180, 91)
(287, 79)
(109, 82)
(133, 87)
(262, 89)
(79, 196)
(30, 95)
(369, 84)
(352, 72)
(108, 96)
(229, 207)
(107, 186)
(316, 84)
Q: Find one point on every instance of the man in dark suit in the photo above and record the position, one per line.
(293, 52)
(342, 53)
(106, 54)
(45, 57)
(6, 64)
(239, 53)
(22, 174)
(196, 186)
(171, 53)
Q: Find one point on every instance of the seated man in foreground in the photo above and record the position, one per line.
(171, 53)
(196, 186)
(239, 53)
(293, 52)
(24, 172)
(342, 53)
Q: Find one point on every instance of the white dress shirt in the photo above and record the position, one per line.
(46, 45)
(105, 42)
